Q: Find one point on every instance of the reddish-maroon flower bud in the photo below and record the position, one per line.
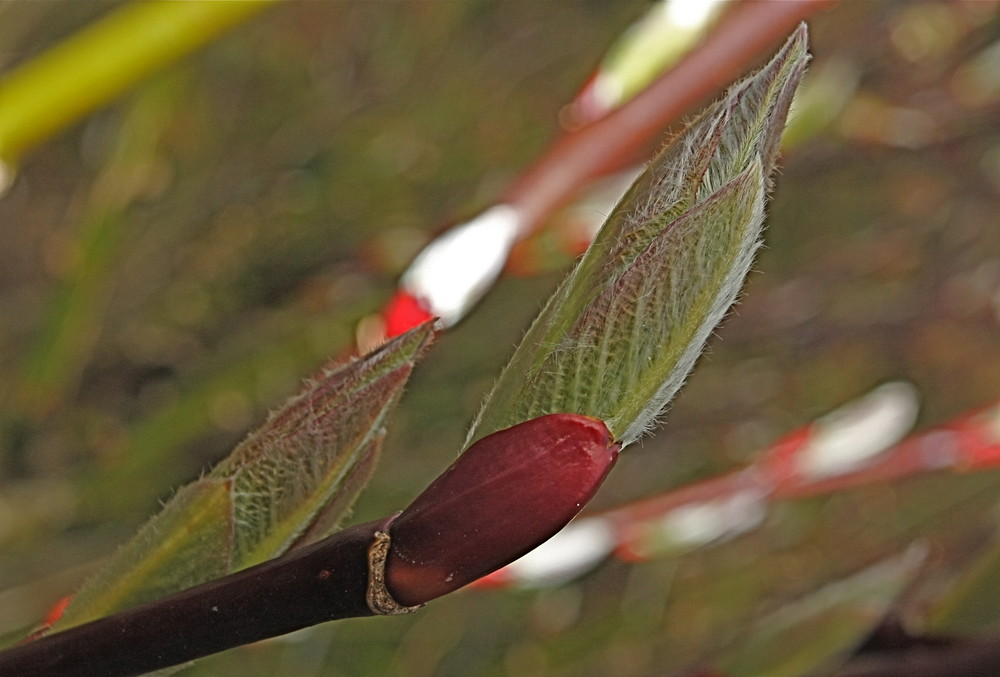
(508, 493)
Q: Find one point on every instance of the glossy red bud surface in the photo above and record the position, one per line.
(508, 493)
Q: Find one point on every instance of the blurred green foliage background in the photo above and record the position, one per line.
(172, 267)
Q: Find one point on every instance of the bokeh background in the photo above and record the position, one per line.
(175, 264)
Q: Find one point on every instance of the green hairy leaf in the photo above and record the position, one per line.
(287, 484)
(620, 335)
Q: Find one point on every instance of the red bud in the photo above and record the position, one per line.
(508, 493)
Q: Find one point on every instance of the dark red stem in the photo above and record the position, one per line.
(322, 582)
(506, 494)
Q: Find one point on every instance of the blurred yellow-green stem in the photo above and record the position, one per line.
(90, 68)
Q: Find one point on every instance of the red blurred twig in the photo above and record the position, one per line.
(728, 505)
(968, 443)
(571, 162)
(608, 143)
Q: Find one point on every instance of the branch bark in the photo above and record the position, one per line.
(322, 582)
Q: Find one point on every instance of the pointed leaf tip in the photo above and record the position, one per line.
(619, 336)
(288, 473)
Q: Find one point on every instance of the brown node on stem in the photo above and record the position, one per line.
(379, 599)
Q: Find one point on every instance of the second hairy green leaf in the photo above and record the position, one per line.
(287, 484)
